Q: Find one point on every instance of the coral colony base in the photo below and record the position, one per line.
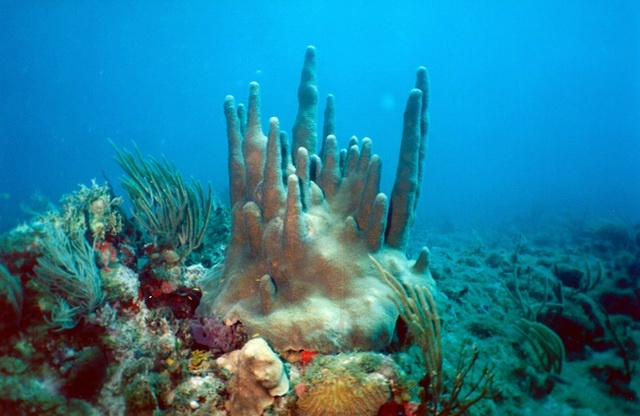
(297, 270)
(300, 300)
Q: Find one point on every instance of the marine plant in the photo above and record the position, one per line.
(530, 307)
(173, 213)
(590, 280)
(440, 396)
(546, 344)
(67, 271)
(304, 222)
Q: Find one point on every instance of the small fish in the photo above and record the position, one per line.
(5, 195)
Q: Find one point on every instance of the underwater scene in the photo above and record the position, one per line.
(320, 208)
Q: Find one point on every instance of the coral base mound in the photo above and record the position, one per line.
(298, 270)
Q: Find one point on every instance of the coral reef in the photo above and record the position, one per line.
(297, 269)
(173, 213)
(11, 299)
(94, 209)
(550, 327)
(68, 272)
(86, 374)
(218, 337)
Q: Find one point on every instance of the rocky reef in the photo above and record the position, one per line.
(305, 224)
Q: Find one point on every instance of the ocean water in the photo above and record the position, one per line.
(534, 105)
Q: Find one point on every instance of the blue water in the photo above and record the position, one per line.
(533, 103)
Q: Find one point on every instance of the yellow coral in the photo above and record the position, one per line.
(200, 360)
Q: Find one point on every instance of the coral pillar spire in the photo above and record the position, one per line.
(304, 128)
(406, 189)
(298, 269)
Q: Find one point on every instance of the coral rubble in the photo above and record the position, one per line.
(259, 376)
(297, 270)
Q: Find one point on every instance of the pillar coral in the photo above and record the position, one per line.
(298, 270)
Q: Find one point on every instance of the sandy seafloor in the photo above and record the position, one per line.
(128, 357)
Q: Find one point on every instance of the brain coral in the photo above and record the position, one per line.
(304, 223)
(344, 395)
(354, 384)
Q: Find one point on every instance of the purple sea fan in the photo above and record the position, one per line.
(220, 338)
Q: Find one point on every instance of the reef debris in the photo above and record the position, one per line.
(259, 376)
